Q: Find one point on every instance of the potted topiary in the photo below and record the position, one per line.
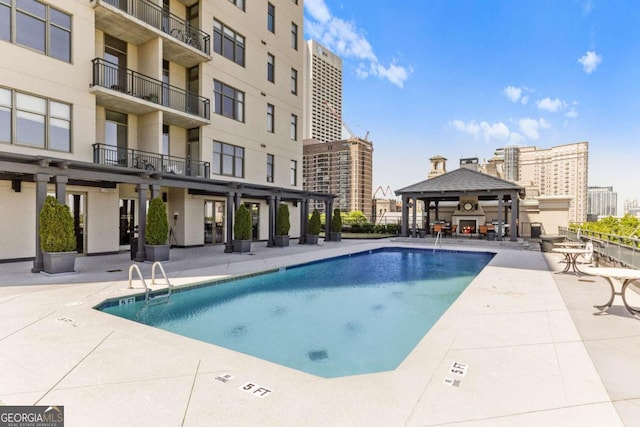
(242, 230)
(57, 237)
(313, 228)
(157, 232)
(335, 235)
(282, 226)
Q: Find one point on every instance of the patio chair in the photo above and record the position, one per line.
(450, 231)
(588, 254)
(437, 228)
(482, 231)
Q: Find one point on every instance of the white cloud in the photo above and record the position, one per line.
(346, 40)
(530, 127)
(572, 113)
(515, 94)
(489, 131)
(590, 61)
(551, 105)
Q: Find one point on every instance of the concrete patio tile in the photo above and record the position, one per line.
(629, 410)
(503, 381)
(156, 402)
(617, 360)
(598, 414)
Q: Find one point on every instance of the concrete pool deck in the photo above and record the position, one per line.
(526, 343)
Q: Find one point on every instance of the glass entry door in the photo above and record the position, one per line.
(254, 208)
(213, 221)
(128, 223)
(76, 203)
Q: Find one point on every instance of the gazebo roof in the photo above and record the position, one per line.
(461, 181)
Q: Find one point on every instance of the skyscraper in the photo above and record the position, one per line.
(602, 201)
(322, 94)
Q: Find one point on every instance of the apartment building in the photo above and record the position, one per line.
(343, 168)
(601, 202)
(106, 104)
(558, 171)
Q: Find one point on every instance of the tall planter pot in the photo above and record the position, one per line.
(57, 237)
(335, 236)
(59, 262)
(311, 239)
(155, 253)
(282, 241)
(241, 245)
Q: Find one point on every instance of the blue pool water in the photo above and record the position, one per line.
(343, 316)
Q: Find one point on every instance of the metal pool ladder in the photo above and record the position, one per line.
(438, 239)
(147, 297)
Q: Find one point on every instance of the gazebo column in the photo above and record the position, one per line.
(436, 207)
(515, 213)
(404, 230)
(427, 206)
(328, 209)
(500, 221)
(413, 222)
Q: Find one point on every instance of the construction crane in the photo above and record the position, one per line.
(337, 116)
(385, 192)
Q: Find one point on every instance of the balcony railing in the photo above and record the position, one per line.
(621, 249)
(109, 75)
(164, 21)
(128, 158)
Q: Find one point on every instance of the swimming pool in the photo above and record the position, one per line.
(349, 315)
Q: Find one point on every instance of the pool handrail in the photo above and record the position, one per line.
(146, 288)
(153, 276)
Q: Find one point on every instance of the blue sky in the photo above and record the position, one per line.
(460, 78)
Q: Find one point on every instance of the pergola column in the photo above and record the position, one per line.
(272, 221)
(404, 230)
(304, 215)
(41, 181)
(142, 220)
(61, 188)
(328, 208)
(228, 244)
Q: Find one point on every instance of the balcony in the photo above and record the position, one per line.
(138, 21)
(151, 162)
(130, 92)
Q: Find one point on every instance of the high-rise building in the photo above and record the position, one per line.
(322, 94)
(602, 201)
(558, 171)
(343, 168)
(511, 160)
(116, 102)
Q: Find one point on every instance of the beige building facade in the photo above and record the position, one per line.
(114, 103)
(558, 171)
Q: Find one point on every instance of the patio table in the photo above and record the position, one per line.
(570, 255)
(625, 276)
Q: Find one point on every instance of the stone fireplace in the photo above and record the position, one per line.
(467, 224)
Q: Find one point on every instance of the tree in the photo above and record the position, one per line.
(57, 233)
(157, 230)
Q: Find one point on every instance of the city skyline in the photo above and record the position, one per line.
(462, 78)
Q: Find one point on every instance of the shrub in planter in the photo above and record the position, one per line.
(283, 225)
(242, 230)
(335, 235)
(157, 232)
(57, 237)
(313, 228)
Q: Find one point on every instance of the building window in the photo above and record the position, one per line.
(294, 36)
(294, 172)
(39, 122)
(271, 17)
(229, 102)
(294, 127)
(227, 160)
(270, 160)
(270, 113)
(271, 68)
(294, 81)
(228, 43)
(37, 26)
(238, 3)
